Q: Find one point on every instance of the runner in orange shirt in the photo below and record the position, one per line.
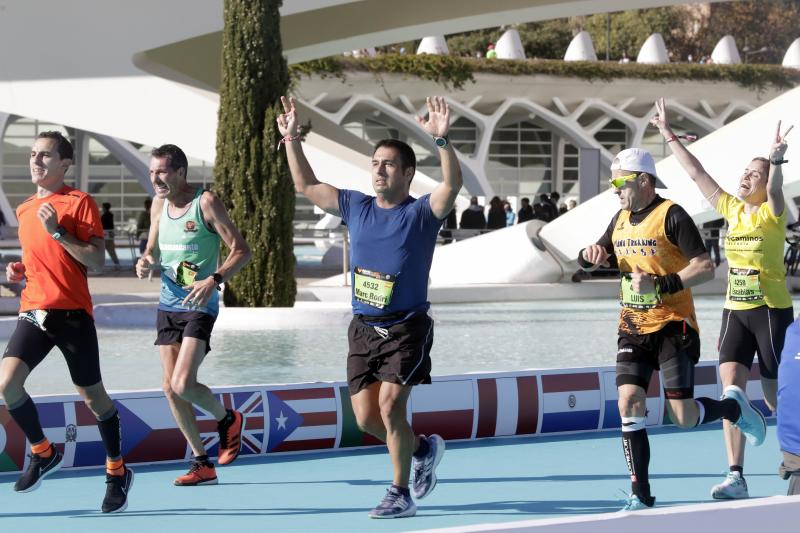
(61, 236)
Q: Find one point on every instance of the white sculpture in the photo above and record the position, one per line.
(509, 46)
(653, 50)
(792, 57)
(581, 48)
(435, 45)
(726, 53)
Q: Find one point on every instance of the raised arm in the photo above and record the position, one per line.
(437, 124)
(324, 196)
(775, 180)
(707, 185)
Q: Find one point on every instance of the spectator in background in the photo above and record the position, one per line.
(450, 223)
(542, 209)
(143, 225)
(525, 211)
(571, 204)
(712, 239)
(491, 53)
(107, 219)
(510, 215)
(497, 215)
(562, 208)
(554, 201)
(473, 217)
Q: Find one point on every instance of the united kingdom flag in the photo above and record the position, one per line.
(251, 405)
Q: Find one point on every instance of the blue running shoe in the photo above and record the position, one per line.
(633, 503)
(394, 505)
(425, 468)
(751, 422)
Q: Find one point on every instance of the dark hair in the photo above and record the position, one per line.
(526, 200)
(555, 196)
(64, 147)
(106, 206)
(177, 159)
(407, 157)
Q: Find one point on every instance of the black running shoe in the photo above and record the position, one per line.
(38, 468)
(117, 488)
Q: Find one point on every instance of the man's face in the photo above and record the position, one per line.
(388, 176)
(753, 182)
(46, 164)
(628, 192)
(165, 180)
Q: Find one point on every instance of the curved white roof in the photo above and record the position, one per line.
(509, 46)
(792, 57)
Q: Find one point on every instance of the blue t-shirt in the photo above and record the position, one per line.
(789, 391)
(391, 251)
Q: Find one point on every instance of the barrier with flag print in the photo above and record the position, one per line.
(307, 417)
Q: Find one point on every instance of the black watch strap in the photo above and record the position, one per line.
(778, 161)
(217, 277)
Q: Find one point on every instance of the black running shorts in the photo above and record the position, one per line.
(674, 350)
(399, 353)
(174, 326)
(72, 331)
(747, 332)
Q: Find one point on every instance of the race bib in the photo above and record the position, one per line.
(373, 288)
(744, 285)
(632, 299)
(186, 273)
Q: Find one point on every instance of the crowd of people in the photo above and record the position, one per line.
(500, 213)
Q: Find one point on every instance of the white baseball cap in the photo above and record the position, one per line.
(635, 160)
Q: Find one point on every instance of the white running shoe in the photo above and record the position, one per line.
(733, 488)
(751, 422)
(425, 469)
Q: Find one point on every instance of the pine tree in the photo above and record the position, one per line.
(251, 177)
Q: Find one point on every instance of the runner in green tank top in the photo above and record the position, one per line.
(187, 225)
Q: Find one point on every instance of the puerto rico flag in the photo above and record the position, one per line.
(251, 405)
(507, 406)
(570, 402)
(302, 419)
(443, 407)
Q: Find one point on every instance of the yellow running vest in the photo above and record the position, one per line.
(754, 249)
(646, 245)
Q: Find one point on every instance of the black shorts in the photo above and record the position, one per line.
(400, 353)
(747, 332)
(174, 326)
(72, 331)
(674, 350)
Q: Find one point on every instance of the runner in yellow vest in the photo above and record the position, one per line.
(660, 255)
(758, 308)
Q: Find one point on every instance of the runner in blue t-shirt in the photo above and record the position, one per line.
(392, 240)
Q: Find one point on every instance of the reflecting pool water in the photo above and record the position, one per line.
(468, 338)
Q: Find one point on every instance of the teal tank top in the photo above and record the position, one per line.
(189, 252)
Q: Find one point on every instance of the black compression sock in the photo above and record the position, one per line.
(111, 434)
(27, 418)
(423, 449)
(726, 408)
(636, 447)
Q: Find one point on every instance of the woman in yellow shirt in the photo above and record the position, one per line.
(758, 307)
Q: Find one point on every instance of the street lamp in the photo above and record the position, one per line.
(748, 52)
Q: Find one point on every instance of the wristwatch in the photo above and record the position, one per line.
(59, 232)
(217, 277)
(441, 142)
(778, 161)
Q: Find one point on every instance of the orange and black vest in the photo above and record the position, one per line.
(646, 245)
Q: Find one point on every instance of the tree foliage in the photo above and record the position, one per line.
(250, 175)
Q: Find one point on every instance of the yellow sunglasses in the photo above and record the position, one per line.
(619, 181)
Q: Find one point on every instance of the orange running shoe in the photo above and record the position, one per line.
(200, 473)
(230, 438)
